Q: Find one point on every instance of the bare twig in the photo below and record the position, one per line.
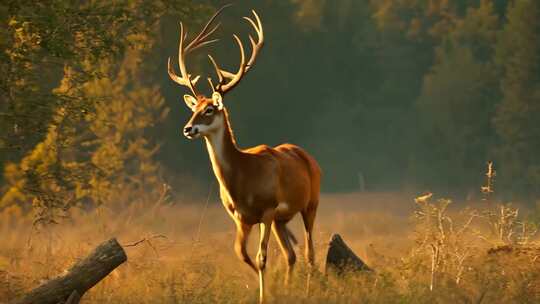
(147, 240)
(198, 235)
(488, 189)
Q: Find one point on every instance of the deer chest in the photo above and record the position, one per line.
(245, 208)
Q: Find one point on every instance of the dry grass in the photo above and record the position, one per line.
(195, 263)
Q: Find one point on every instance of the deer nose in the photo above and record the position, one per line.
(190, 131)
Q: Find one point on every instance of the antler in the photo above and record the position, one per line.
(199, 41)
(223, 86)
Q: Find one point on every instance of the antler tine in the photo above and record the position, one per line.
(184, 79)
(173, 75)
(219, 72)
(181, 63)
(244, 67)
(203, 34)
(241, 69)
(255, 47)
(211, 83)
(178, 79)
(199, 41)
(195, 44)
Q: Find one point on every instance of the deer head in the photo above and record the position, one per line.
(208, 112)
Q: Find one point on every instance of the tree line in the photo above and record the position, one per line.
(399, 94)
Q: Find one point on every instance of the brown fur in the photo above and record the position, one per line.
(254, 181)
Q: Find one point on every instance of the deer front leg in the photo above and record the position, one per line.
(265, 228)
(242, 233)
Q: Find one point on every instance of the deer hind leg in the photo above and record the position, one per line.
(282, 236)
(308, 216)
(242, 234)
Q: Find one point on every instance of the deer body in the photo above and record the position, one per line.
(260, 185)
(261, 178)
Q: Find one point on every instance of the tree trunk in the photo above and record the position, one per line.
(340, 258)
(81, 277)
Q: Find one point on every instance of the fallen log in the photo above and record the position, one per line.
(69, 288)
(341, 259)
(74, 298)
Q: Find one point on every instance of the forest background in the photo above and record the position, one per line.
(388, 95)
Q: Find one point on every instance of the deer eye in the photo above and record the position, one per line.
(209, 111)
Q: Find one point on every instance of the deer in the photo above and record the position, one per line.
(261, 185)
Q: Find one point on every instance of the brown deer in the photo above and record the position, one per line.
(260, 185)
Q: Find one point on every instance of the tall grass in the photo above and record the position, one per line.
(432, 251)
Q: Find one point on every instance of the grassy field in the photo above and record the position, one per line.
(422, 253)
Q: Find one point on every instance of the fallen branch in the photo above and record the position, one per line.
(70, 287)
(147, 240)
(74, 298)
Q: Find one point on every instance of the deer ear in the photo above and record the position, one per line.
(190, 101)
(217, 100)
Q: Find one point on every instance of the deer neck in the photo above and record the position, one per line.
(223, 152)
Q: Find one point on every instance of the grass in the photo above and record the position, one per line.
(428, 252)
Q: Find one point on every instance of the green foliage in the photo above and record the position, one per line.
(78, 76)
(39, 39)
(516, 120)
(396, 91)
(417, 19)
(105, 155)
(458, 99)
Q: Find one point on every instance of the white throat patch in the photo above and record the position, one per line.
(215, 146)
